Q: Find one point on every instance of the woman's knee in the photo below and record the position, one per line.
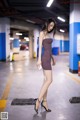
(44, 78)
(49, 81)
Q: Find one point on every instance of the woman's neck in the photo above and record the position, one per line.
(47, 35)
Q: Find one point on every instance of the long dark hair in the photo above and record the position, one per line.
(45, 26)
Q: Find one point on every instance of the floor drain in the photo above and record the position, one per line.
(22, 101)
(75, 100)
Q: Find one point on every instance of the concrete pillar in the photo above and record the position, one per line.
(16, 47)
(31, 44)
(4, 38)
(36, 36)
(74, 31)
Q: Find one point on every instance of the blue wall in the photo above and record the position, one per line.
(2, 46)
(64, 46)
(61, 44)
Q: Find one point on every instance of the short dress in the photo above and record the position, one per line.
(46, 56)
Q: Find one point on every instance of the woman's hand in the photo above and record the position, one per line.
(53, 62)
(38, 63)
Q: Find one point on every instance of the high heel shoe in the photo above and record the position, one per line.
(35, 106)
(48, 110)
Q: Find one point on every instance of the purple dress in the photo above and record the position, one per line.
(46, 56)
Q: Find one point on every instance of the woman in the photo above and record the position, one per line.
(44, 60)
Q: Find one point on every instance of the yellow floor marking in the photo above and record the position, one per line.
(2, 103)
(3, 100)
(75, 79)
(7, 89)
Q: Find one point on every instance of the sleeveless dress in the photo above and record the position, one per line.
(46, 56)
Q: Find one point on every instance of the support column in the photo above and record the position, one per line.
(74, 31)
(4, 38)
(31, 44)
(36, 37)
(16, 47)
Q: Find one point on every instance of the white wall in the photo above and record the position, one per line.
(61, 36)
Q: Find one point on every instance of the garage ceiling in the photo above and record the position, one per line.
(36, 11)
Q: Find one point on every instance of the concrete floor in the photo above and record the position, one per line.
(22, 79)
(23, 55)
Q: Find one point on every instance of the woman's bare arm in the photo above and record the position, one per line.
(40, 45)
(53, 61)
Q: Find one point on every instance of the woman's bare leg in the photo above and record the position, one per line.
(43, 91)
(45, 95)
(48, 74)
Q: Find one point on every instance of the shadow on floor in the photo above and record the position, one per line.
(41, 117)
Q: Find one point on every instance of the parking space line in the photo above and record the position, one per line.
(73, 78)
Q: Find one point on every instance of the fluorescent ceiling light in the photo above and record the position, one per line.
(49, 3)
(26, 38)
(30, 21)
(11, 38)
(19, 40)
(62, 30)
(18, 33)
(61, 19)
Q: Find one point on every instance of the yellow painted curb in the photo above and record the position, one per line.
(3, 103)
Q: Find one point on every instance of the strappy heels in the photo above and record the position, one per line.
(35, 106)
(48, 110)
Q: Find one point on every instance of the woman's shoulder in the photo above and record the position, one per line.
(42, 34)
